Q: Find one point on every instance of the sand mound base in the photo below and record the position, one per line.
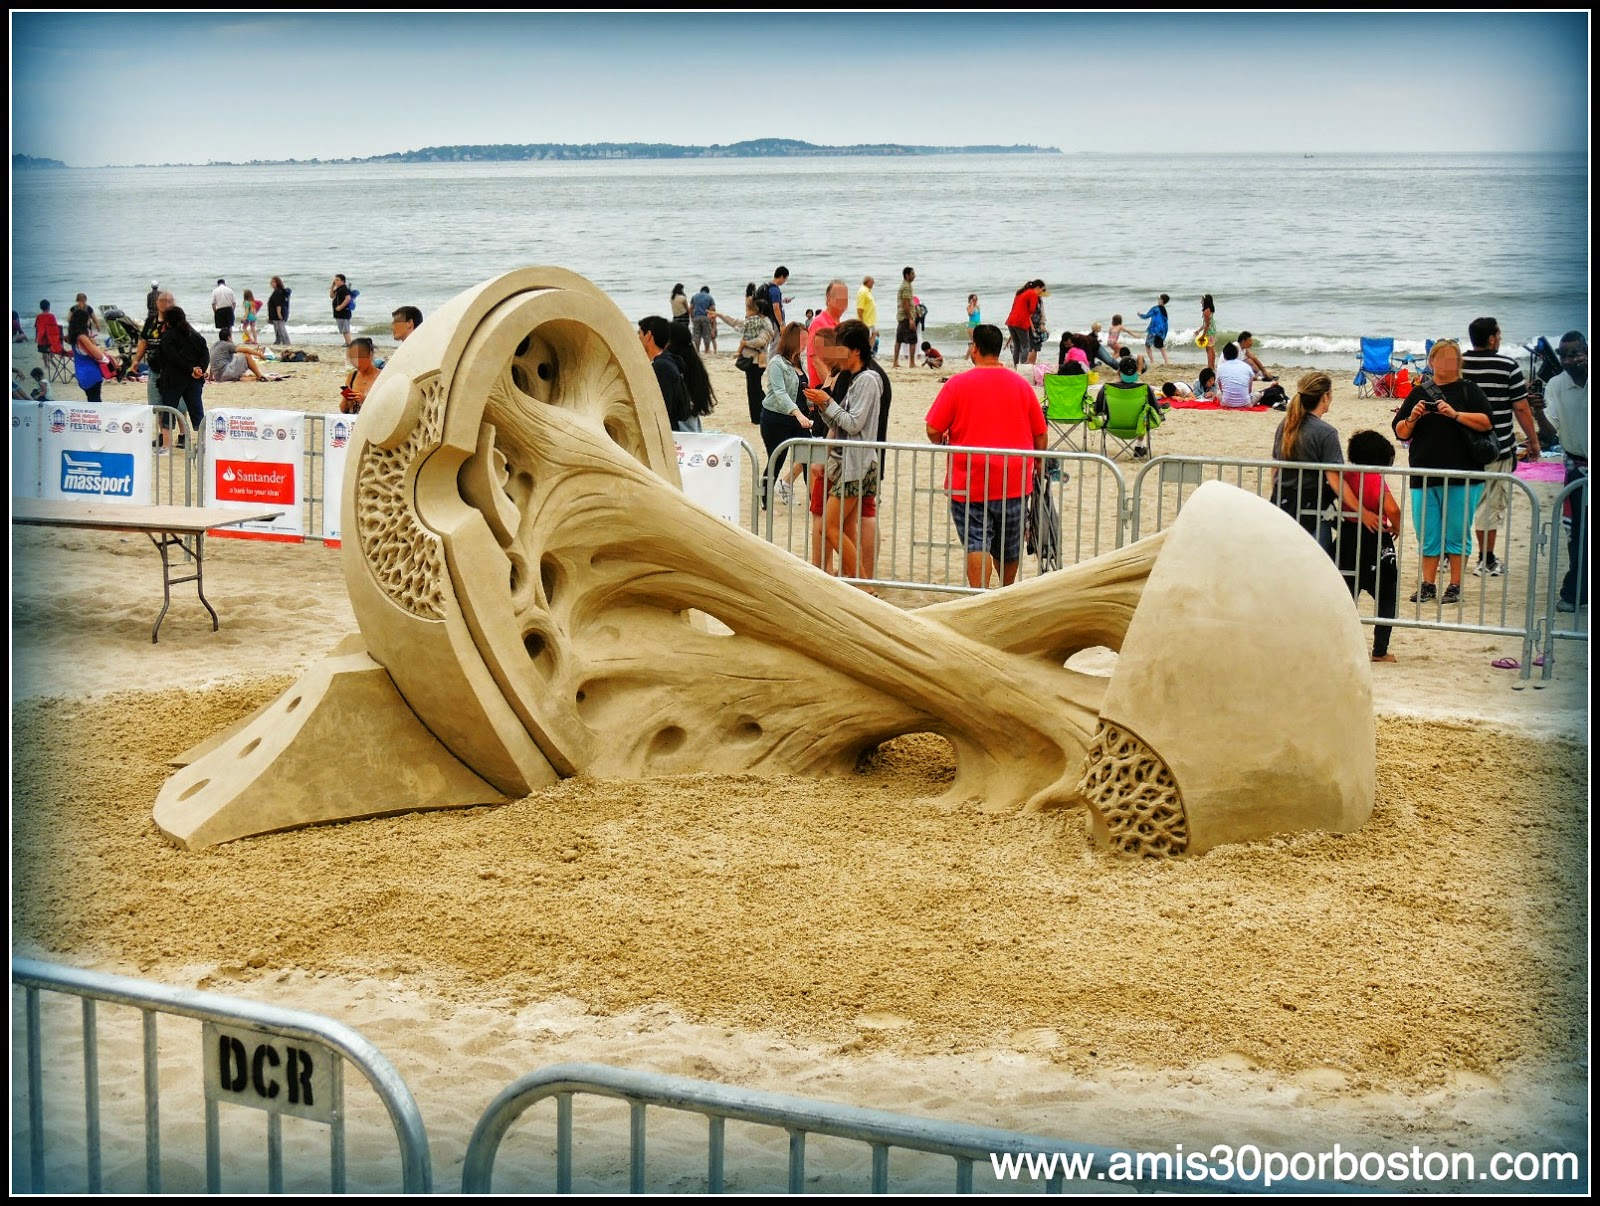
(1445, 937)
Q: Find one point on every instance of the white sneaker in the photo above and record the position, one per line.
(785, 495)
(1480, 568)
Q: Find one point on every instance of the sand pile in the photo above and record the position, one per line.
(1447, 935)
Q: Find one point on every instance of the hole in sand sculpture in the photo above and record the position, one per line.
(293, 704)
(200, 786)
(549, 578)
(668, 741)
(1099, 661)
(249, 749)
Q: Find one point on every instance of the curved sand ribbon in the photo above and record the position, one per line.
(529, 579)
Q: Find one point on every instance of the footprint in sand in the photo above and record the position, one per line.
(879, 1020)
(1325, 1080)
(1036, 1038)
(1473, 1081)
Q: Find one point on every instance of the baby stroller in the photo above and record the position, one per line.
(123, 332)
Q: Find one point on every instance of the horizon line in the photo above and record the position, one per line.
(391, 156)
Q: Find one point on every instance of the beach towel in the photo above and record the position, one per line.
(1542, 471)
(1197, 404)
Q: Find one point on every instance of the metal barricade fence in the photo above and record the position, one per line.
(913, 542)
(799, 1117)
(295, 1067)
(755, 482)
(1567, 555)
(175, 486)
(1437, 511)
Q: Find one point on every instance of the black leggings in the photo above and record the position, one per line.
(1367, 560)
(775, 429)
(753, 393)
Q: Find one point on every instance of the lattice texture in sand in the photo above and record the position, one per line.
(406, 559)
(1128, 784)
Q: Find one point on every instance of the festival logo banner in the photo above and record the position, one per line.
(96, 454)
(709, 464)
(254, 459)
(336, 433)
(26, 423)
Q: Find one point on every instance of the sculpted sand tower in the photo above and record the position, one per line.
(526, 574)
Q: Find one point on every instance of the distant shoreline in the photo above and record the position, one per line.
(540, 152)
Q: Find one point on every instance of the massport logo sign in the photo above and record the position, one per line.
(102, 474)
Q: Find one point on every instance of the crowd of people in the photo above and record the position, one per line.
(1462, 418)
(174, 359)
(821, 378)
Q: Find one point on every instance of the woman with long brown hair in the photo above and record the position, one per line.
(781, 416)
(1311, 497)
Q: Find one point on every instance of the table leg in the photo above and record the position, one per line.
(166, 541)
(199, 576)
(166, 581)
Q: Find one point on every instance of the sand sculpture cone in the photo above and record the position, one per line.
(527, 577)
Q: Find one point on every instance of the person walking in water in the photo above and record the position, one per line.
(1155, 334)
(278, 311)
(1208, 330)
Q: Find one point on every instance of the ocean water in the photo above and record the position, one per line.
(1310, 253)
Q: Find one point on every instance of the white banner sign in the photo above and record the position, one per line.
(98, 454)
(255, 459)
(26, 418)
(709, 463)
(336, 432)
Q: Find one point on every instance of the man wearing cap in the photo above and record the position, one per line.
(222, 304)
(150, 298)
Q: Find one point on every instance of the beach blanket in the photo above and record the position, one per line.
(1542, 471)
(1196, 404)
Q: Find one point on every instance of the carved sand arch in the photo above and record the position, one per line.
(528, 579)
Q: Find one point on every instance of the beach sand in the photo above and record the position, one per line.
(1421, 982)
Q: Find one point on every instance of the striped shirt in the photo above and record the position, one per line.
(1501, 382)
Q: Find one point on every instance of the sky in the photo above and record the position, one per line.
(119, 88)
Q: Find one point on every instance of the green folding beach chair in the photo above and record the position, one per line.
(1064, 409)
(1129, 418)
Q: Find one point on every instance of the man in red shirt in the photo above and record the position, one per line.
(838, 297)
(988, 406)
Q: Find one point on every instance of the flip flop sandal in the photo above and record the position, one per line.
(1506, 663)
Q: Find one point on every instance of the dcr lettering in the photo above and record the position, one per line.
(257, 1070)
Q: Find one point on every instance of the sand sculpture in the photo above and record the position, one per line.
(531, 586)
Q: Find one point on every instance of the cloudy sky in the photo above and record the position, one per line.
(110, 88)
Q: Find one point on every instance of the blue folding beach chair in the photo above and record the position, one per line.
(1373, 379)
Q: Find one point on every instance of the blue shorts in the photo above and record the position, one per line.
(993, 527)
(1441, 512)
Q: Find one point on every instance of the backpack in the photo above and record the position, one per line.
(922, 314)
(1275, 396)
